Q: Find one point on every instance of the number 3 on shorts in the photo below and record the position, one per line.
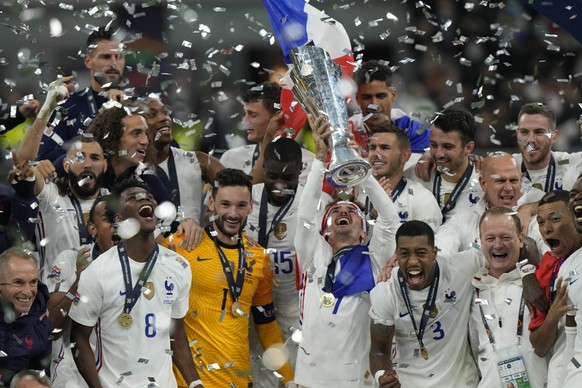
(150, 325)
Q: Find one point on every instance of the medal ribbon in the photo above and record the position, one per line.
(553, 277)
(172, 181)
(459, 187)
(550, 174)
(398, 189)
(132, 295)
(428, 305)
(256, 153)
(84, 235)
(263, 233)
(235, 286)
(519, 330)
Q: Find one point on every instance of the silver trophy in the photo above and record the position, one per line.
(316, 81)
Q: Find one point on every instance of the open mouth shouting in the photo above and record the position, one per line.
(555, 246)
(146, 211)
(416, 278)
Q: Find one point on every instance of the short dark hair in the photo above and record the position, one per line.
(284, 150)
(108, 210)
(501, 211)
(402, 138)
(114, 200)
(555, 196)
(415, 228)
(86, 138)
(456, 120)
(101, 33)
(267, 92)
(231, 177)
(373, 70)
(538, 108)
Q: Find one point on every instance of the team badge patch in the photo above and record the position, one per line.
(280, 230)
(148, 290)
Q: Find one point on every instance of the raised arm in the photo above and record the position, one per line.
(58, 90)
(307, 232)
(382, 243)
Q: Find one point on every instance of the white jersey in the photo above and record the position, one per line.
(144, 348)
(571, 272)
(59, 230)
(285, 293)
(60, 278)
(336, 340)
(566, 166)
(189, 177)
(415, 202)
(503, 297)
(468, 198)
(449, 363)
(242, 158)
(462, 230)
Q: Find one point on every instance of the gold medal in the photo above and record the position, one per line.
(237, 309)
(327, 299)
(125, 320)
(424, 353)
(434, 312)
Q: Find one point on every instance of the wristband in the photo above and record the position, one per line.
(195, 383)
(526, 269)
(379, 374)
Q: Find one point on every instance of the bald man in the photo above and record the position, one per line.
(500, 180)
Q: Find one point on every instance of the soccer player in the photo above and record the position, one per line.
(272, 224)
(233, 280)
(499, 317)
(536, 133)
(375, 96)
(425, 307)
(500, 180)
(261, 104)
(105, 61)
(388, 152)
(24, 325)
(548, 333)
(455, 182)
(570, 272)
(137, 294)
(183, 172)
(338, 271)
(62, 282)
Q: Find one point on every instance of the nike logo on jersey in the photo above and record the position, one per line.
(202, 258)
(572, 281)
(121, 293)
(403, 315)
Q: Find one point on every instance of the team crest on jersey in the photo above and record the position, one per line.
(148, 290)
(55, 273)
(473, 199)
(280, 230)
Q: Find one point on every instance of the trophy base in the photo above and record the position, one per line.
(349, 173)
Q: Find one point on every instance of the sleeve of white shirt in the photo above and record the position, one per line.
(307, 232)
(448, 238)
(62, 274)
(382, 301)
(430, 211)
(48, 194)
(90, 290)
(180, 306)
(467, 262)
(382, 243)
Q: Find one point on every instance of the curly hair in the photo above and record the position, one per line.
(109, 124)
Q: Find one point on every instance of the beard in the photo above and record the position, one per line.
(219, 223)
(86, 190)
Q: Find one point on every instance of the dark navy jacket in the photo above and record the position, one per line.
(26, 339)
(69, 120)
